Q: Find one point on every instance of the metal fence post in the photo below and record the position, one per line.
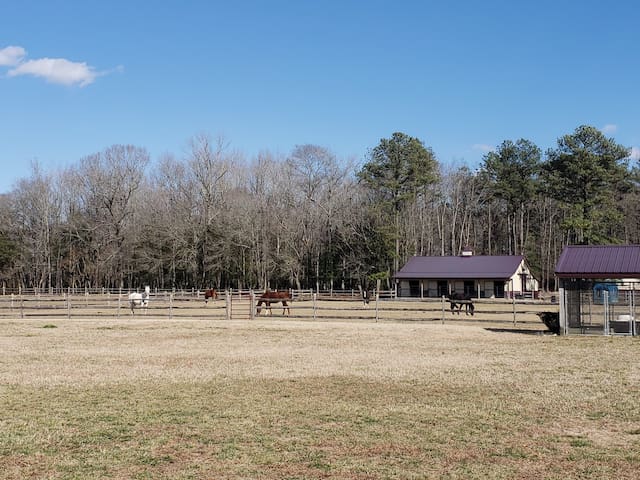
(564, 324)
(605, 298)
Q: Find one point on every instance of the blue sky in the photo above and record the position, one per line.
(79, 76)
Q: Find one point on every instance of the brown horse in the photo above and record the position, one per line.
(269, 297)
(211, 293)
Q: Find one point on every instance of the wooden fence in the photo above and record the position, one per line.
(241, 305)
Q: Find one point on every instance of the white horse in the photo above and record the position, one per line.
(139, 299)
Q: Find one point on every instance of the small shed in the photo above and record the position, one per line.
(597, 285)
(480, 276)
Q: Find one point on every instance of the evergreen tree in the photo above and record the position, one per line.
(587, 172)
(512, 172)
(398, 169)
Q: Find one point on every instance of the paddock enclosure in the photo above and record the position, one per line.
(281, 398)
(241, 305)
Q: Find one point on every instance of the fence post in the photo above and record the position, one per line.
(119, 304)
(227, 304)
(607, 330)
(514, 309)
(377, 297)
(315, 297)
(443, 302)
(68, 307)
(21, 307)
(252, 310)
(170, 306)
(563, 312)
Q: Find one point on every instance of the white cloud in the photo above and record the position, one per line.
(635, 153)
(57, 70)
(609, 129)
(483, 148)
(11, 55)
(53, 70)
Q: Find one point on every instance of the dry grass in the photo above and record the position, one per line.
(273, 399)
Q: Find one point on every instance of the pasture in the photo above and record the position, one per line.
(276, 398)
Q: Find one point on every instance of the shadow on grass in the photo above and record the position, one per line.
(518, 330)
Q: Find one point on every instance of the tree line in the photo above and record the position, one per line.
(308, 219)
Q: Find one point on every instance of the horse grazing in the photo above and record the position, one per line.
(458, 300)
(551, 320)
(210, 293)
(139, 300)
(269, 297)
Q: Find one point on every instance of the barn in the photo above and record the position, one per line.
(597, 285)
(480, 276)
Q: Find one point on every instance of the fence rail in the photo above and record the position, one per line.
(241, 305)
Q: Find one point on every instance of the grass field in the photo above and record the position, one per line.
(290, 399)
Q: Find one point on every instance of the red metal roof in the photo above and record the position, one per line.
(476, 267)
(599, 261)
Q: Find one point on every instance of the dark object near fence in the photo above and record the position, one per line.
(365, 298)
(551, 320)
(458, 300)
(269, 297)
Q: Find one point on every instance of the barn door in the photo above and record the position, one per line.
(469, 288)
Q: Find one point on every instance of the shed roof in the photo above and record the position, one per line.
(599, 261)
(475, 266)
